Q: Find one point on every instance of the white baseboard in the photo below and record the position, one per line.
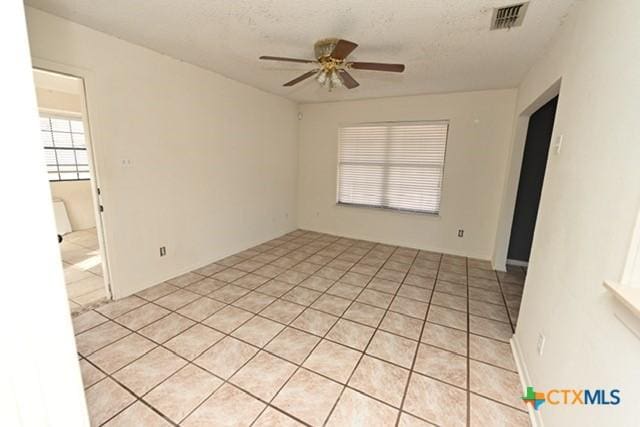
(534, 416)
(517, 263)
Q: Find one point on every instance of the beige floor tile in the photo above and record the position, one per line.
(381, 380)
(317, 283)
(344, 290)
(99, 336)
(356, 409)
(87, 320)
(228, 319)
(490, 328)
(488, 310)
(400, 324)
(85, 286)
(491, 351)
(356, 279)
(105, 399)
(122, 352)
(333, 360)
(314, 321)
(451, 288)
(302, 296)
(248, 265)
(436, 402)
(229, 293)
(158, 291)
(392, 348)
(445, 337)
(201, 308)
(292, 277)
(258, 331)
(496, 383)
(351, 334)
(138, 414)
(331, 304)
(409, 307)
(329, 273)
(441, 364)
(308, 397)
(205, 286)
(449, 301)
(363, 313)
(90, 374)
(486, 413)
(407, 420)
(383, 285)
(415, 292)
(181, 393)
(166, 328)
(194, 341)
(229, 275)
(293, 345)
(282, 311)
(142, 316)
(210, 269)
(264, 375)
(393, 275)
(448, 317)
(486, 296)
(226, 357)
(177, 299)
(375, 298)
(118, 308)
(254, 302)
(148, 371)
(185, 279)
(273, 418)
(275, 288)
(91, 297)
(269, 271)
(228, 406)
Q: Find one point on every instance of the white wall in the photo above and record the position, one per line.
(40, 380)
(476, 159)
(212, 161)
(78, 201)
(589, 204)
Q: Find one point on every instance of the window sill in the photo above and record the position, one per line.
(382, 208)
(627, 295)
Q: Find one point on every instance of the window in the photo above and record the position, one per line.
(65, 150)
(392, 165)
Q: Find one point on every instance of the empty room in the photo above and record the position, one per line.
(340, 213)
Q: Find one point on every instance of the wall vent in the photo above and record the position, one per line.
(508, 16)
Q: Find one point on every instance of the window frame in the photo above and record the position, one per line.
(69, 117)
(388, 208)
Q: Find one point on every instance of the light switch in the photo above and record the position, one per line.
(557, 146)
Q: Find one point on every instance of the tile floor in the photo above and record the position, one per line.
(310, 329)
(82, 269)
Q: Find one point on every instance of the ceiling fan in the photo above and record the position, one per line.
(331, 64)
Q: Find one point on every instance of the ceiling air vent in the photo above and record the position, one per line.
(508, 16)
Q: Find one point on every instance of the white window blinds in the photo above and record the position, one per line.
(392, 165)
(64, 147)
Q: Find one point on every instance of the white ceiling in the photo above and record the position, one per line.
(445, 44)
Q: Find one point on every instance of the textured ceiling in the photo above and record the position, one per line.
(446, 44)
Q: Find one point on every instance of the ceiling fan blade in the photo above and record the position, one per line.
(342, 49)
(377, 66)
(279, 58)
(348, 81)
(301, 78)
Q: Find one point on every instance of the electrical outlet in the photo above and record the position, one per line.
(163, 250)
(541, 340)
(461, 233)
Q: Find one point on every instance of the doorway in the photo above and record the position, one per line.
(534, 163)
(66, 143)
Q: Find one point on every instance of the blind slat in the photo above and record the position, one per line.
(393, 165)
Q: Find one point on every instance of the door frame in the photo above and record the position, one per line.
(512, 179)
(85, 78)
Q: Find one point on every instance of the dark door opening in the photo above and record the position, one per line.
(534, 163)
